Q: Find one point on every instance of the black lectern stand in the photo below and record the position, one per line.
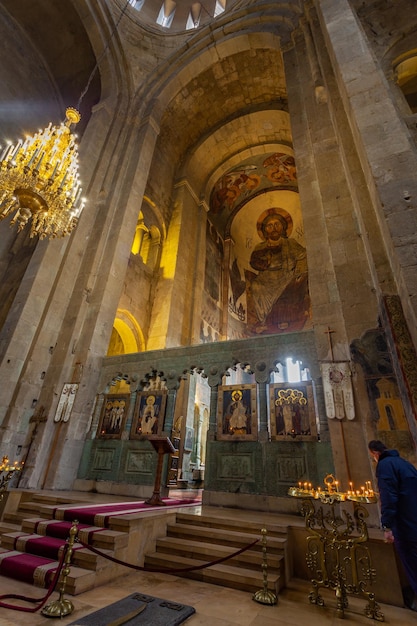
(162, 446)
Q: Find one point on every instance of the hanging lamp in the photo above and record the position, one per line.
(39, 182)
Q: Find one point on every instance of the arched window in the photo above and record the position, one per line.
(193, 20)
(127, 336)
(291, 372)
(147, 242)
(390, 416)
(166, 14)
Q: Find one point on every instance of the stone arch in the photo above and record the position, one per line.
(150, 248)
(127, 336)
(148, 235)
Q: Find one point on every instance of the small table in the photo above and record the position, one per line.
(162, 445)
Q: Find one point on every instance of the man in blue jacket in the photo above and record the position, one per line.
(397, 485)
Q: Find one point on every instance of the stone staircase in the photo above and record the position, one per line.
(162, 540)
(26, 532)
(193, 540)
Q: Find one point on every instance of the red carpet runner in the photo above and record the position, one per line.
(99, 515)
(34, 557)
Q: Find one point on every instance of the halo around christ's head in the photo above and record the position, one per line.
(282, 213)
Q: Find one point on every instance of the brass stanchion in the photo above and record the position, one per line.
(264, 595)
(62, 606)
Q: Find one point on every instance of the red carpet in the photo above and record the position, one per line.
(99, 515)
(27, 568)
(47, 547)
(35, 557)
(54, 528)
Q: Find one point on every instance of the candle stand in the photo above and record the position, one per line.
(7, 471)
(337, 556)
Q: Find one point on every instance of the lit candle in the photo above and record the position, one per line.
(16, 149)
(33, 157)
(5, 151)
(55, 171)
(64, 180)
(78, 196)
(39, 163)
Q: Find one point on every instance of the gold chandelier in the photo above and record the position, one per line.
(39, 181)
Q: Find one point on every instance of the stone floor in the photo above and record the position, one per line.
(215, 606)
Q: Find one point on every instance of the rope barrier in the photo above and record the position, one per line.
(42, 601)
(168, 570)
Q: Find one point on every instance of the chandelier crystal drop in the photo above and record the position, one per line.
(39, 181)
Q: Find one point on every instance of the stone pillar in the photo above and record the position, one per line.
(211, 433)
(172, 386)
(197, 444)
(183, 259)
(93, 276)
(386, 151)
(228, 244)
(262, 377)
(342, 277)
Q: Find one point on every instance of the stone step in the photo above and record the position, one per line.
(217, 521)
(102, 538)
(8, 528)
(78, 580)
(82, 557)
(15, 518)
(225, 536)
(224, 575)
(47, 498)
(48, 510)
(207, 552)
(31, 505)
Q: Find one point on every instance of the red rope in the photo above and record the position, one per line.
(42, 601)
(55, 579)
(165, 570)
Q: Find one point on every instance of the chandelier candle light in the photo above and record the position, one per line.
(39, 177)
(39, 181)
(331, 493)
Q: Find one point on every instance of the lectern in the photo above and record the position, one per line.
(162, 445)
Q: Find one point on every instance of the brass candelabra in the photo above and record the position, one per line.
(332, 492)
(337, 556)
(7, 471)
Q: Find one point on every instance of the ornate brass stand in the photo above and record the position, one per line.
(264, 595)
(62, 606)
(6, 473)
(338, 559)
